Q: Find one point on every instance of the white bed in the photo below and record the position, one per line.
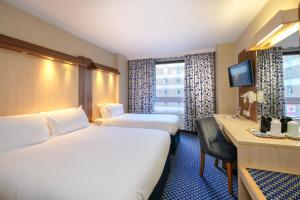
(168, 123)
(91, 163)
(113, 115)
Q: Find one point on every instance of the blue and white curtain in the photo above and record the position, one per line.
(269, 80)
(199, 88)
(141, 85)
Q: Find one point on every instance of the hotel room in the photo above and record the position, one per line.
(149, 99)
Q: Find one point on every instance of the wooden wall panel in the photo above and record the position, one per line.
(86, 91)
(248, 55)
(29, 84)
(105, 90)
(86, 87)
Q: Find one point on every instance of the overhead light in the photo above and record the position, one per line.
(69, 63)
(277, 35)
(284, 34)
(270, 34)
(49, 58)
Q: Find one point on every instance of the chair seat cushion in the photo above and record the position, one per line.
(223, 151)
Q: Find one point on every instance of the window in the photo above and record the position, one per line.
(169, 88)
(289, 91)
(165, 92)
(165, 70)
(291, 71)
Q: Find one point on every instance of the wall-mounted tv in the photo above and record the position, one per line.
(241, 74)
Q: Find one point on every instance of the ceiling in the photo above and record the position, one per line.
(148, 28)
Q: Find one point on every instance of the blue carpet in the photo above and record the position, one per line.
(184, 181)
(276, 185)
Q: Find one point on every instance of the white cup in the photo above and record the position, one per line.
(293, 128)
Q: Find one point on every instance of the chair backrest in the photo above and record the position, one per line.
(208, 130)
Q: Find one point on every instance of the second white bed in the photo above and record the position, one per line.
(168, 123)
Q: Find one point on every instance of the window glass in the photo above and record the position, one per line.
(169, 88)
(291, 71)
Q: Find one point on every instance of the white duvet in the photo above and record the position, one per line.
(103, 163)
(169, 123)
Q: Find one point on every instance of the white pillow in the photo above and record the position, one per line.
(111, 110)
(22, 130)
(66, 120)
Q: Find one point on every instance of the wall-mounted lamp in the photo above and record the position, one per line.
(70, 63)
(277, 35)
(103, 68)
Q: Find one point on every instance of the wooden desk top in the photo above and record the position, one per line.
(236, 130)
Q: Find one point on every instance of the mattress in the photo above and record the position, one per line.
(169, 123)
(92, 163)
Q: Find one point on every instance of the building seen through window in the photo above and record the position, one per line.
(169, 88)
(291, 71)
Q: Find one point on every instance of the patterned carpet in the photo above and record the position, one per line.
(184, 181)
(276, 185)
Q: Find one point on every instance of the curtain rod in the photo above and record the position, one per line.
(170, 59)
(290, 49)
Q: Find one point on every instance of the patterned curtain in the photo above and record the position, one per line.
(199, 88)
(269, 80)
(141, 85)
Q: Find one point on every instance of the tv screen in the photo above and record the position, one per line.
(241, 74)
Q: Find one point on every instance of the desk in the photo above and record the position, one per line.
(279, 155)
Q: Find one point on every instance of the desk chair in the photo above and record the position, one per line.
(214, 144)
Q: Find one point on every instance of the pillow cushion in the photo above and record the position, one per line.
(66, 120)
(22, 130)
(111, 110)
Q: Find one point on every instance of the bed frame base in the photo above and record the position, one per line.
(175, 139)
(160, 186)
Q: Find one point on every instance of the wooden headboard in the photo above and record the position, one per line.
(30, 84)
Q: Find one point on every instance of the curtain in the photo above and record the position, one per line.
(199, 88)
(141, 85)
(269, 80)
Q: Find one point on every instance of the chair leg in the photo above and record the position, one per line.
(229, 174)
(216, 162)
(202, 163)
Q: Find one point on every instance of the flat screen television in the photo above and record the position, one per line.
(241, 74)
